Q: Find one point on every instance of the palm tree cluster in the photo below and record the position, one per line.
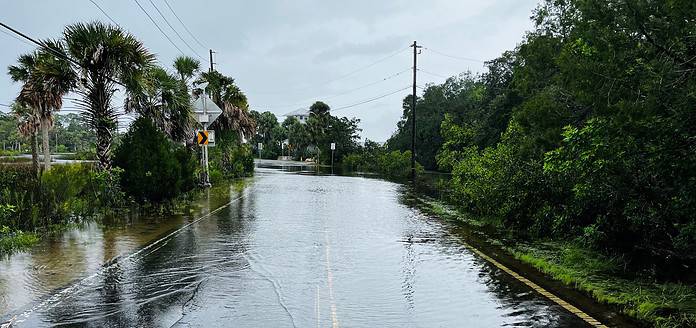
(96, 60)
(46, 79)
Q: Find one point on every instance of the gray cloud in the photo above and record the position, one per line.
(375, 48)
(281, 53)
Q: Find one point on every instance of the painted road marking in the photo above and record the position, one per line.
(317, 308)
(329, 277)
(569, 307)
(58, 297)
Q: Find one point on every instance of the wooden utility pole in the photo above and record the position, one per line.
(211, 59)
(413, 113)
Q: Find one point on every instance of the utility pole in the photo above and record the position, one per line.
(413, 113)
(211, 59)
(206, 173)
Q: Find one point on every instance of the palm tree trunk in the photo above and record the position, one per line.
(35, 154)
(45, 143)
(104, 147)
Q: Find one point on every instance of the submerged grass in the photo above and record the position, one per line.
(17, 241)
(606, 279)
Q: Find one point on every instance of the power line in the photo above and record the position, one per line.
(367, 66)
(16, 38)
(54, 51)
(434, 74)
(454, 57)
(350, 90)
(175, 31)
(362, 68)
(158, 27)
(370, 100)
(184, 25)
(105, 14)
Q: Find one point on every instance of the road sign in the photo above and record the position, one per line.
(205, 137)
(333, 146)
(206, 110)
(202, 137)
(211, 138)
(260, 146)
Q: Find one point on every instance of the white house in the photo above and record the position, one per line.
(301, 115)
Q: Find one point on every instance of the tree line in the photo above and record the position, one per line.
(311, 139)
(584, 131)
(151, 164)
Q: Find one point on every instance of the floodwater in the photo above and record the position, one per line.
(283, 249)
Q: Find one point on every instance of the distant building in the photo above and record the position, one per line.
(301, 115)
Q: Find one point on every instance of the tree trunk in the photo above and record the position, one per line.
(45, 143)
(35, 154)
(104, 147)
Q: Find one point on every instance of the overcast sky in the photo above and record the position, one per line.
(286, 54)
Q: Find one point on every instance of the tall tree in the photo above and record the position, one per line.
(28, 125)
(47, 78)
(166, 101)
(106, 54)
(233, 102)
(186, 67)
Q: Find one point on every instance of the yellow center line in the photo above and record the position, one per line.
(569, 307)
(329, 277)
(317, 308)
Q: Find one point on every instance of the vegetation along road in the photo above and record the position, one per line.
(328, 255)
(265, 164)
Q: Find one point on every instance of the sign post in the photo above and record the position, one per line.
(333, 148)
(260, 147)
(207, 112)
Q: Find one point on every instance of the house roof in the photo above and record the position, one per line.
(299, 112)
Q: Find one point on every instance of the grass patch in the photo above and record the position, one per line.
(604, 278)
(15, 159)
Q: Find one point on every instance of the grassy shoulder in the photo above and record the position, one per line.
(604, 278)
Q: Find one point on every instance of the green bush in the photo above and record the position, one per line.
(229, 159)
(394, 164)
(154, 169)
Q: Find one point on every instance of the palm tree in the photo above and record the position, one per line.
(46, 79)
(166, 101)
(28, 123)
(186, 67)
(318, 123)
(233, 102)
(106, 54)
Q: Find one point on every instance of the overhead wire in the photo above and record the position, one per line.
(370, 100)
(341, 77)
(104, 12)
(184, 25)
(158, 27)
(350, 90)
(433, 74)
(16, 38)
(53, 51)
(453, 56)
(176, 32)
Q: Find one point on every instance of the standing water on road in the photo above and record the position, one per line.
(286, 250)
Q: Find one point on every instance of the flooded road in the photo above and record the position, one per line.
(283, 250)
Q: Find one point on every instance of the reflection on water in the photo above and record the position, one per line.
(290, 250)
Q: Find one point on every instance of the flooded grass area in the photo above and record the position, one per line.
(37, 266)
(603, 278)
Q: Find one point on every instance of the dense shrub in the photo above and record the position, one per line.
(229, 158)
(374, 158)
(154, 169)
(65, 193)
